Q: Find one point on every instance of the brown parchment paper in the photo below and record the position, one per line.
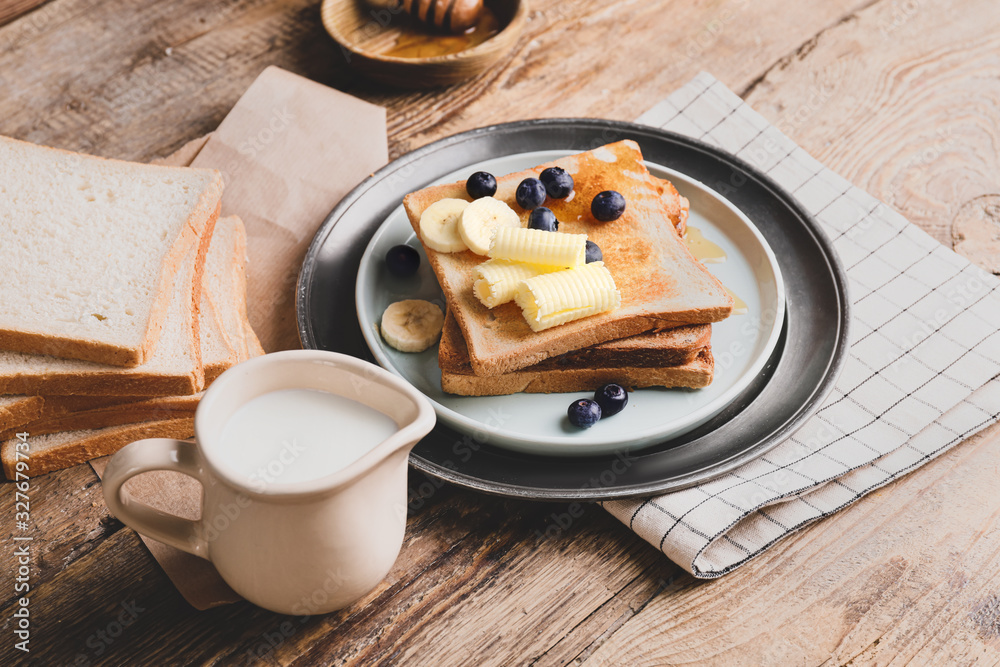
(289, 150)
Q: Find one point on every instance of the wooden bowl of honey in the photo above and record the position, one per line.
(385, 43)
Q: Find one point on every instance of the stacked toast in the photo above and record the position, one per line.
(124, 296)
(659, 335)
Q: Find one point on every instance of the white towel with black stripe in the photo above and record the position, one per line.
(922, 374)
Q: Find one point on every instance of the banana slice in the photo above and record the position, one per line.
(481, 219)
(412, 325)
(439, 225)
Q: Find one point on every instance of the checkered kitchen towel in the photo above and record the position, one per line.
(922, 373)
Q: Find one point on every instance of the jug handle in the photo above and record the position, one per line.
(145, 456)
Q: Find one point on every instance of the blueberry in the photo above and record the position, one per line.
(584, 413)
(607, 206)
(544, 219)
(481, 184)
(593, 252)
(612, 398)
(402, 261)
(530, 193)
(558, 183)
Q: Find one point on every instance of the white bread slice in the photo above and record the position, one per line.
(90, 248)
(121, 423)
(63, 450)
(217, 349)
(240, 320)
(254, 348)
(146, 410)
(173, 369)
(216, 353)
(223, 297)
(229, 302)
(71, 413)
(224, 304)
(18, 410)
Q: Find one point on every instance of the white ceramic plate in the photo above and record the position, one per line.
(536, 423)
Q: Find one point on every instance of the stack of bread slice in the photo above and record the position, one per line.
(659, 336)
(124, 296)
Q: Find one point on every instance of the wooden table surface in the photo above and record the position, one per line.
(902, 97)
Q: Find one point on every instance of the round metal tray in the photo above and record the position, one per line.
(799, 374)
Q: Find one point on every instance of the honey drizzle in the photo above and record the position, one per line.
(710, 253)
(703, 249)
(739, 305)
(417, 41)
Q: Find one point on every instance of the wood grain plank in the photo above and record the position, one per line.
(12, 9)
(469, 569)
(217, 48)
(475, 582)
(910, 572)
(512, 588)
(586, 637)
(903, 109)
(913, 571)
(605, 78)
(68, 520)
(169, 75)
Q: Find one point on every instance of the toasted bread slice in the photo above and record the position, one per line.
(91, 248)
(624, 361)
(693, 375)
(661, 283)
(676, 206)
(666, 347)
(62, 450)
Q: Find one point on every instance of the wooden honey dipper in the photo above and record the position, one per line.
(455, 16)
